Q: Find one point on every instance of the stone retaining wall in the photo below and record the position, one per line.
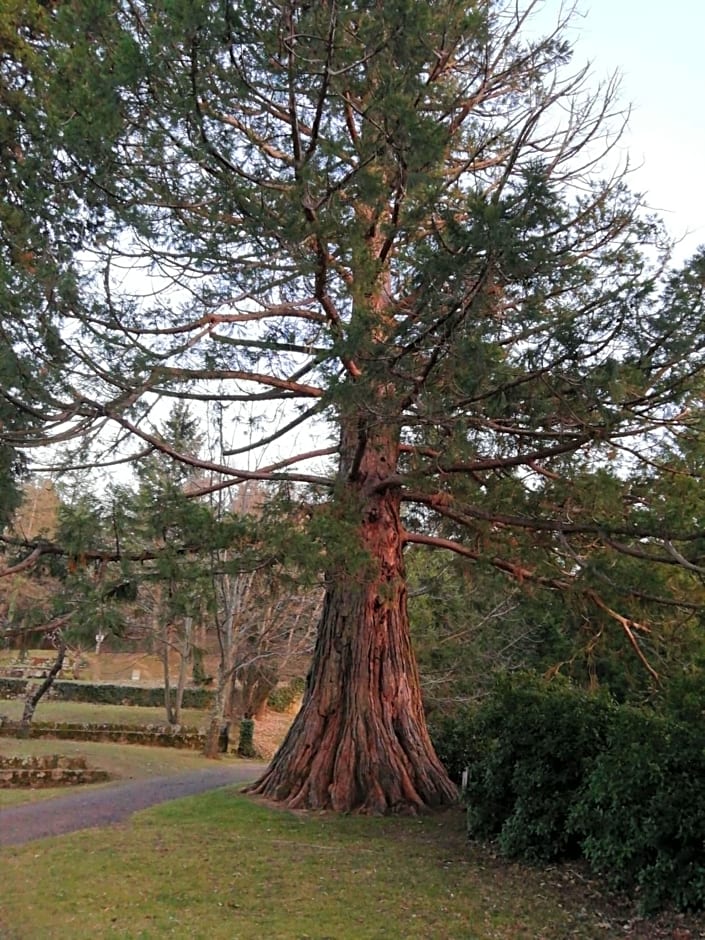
(51, 770)
(152, 735)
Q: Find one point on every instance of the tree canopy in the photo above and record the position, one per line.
(380, 229)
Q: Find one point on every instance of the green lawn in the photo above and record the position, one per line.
(224, 866)
(120, 761)
(51, 710)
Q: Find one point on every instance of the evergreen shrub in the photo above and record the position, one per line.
(555, 772)
(246, 745)
(108, 694)
(455, 741)
(535, 743)
(640, 817)
(283, 697)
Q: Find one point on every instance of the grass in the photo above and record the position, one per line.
(225, 866)
(121, 761)
(51, 710)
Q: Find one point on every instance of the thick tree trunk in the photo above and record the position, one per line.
(360, 742)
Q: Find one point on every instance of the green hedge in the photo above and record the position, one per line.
(641, 813)
(533, 748)
(456, 740)
(246, 745)
(554, 772)
(107, 694)
(283, 697)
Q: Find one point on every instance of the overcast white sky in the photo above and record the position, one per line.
(659, 49)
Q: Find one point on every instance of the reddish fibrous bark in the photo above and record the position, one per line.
(360, 742)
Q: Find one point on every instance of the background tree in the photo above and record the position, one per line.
(262, 603)
(173, 527)
(25, 595)
(471, 624)
(385, 220)
(56, 595)
(265, 623)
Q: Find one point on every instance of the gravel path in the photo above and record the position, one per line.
(109, 805)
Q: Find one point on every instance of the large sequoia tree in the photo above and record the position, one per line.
(381, 221)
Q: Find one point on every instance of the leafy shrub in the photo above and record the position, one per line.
(683, 696)
(246, 745)
(283, 696)
(555, 772)
(641, 814)
(534, 744)
(107, 694)
(455, 740)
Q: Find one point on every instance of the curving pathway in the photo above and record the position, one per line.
(112, 804)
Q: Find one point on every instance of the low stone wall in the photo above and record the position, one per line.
(38, 668)
(51, 770)
(152, 735)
